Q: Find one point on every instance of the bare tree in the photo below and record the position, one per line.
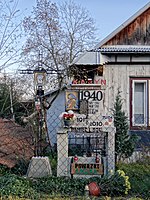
(59, 32)
(44, 36)
(10, 33)
(79, 28)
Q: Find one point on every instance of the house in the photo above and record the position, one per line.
(123, 61)
(120, 61)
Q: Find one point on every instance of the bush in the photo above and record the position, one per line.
(139, 174)
(21, 187)
(60, 185)
(20, 168)
(4, 170)
(16, 186)
(116, 185)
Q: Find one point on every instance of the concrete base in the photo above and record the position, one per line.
(39, 167)
(64, 163)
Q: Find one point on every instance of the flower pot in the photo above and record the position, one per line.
(67, 123)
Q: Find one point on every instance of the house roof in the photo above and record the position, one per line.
(90, 58)
(15, 143)
(126, 23)
(124, 49)
(98, 55)
(51, 92)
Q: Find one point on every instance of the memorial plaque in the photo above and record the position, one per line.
(84, 107)
(87, 169)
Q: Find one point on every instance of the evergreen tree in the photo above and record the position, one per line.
(124, 143)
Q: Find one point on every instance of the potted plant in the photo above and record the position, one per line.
(67, 118)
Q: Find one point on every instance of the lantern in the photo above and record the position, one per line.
(39, 80)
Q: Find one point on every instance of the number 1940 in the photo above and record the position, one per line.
(95, 95)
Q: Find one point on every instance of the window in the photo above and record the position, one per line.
(139, 102)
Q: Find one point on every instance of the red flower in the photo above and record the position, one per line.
(68, 116)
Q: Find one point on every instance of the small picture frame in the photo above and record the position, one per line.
(72, 100)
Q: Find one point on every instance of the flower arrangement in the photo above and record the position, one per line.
(68, 118)
(68, 115)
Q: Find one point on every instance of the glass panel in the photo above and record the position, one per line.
(139, 103)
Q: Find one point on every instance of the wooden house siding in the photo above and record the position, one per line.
(137, 32)
(118, 76)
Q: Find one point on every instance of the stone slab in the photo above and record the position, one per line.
(39, 167)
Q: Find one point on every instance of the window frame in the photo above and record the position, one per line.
(145, 102)
(146, 82)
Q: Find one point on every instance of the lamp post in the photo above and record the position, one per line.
(39, 82)
(40, 75)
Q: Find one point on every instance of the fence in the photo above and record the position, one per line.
(41, 158)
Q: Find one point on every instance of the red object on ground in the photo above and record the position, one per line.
(94, 189)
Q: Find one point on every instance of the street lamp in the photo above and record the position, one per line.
(39, 82)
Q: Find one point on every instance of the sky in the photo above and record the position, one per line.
(108, 14)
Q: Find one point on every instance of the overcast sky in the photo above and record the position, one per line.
(108, 14)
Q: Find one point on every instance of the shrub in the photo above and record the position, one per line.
(115, 185)
(16, 186)
(20, 168)
(139, 174)
(60, 185)
(4, 170)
